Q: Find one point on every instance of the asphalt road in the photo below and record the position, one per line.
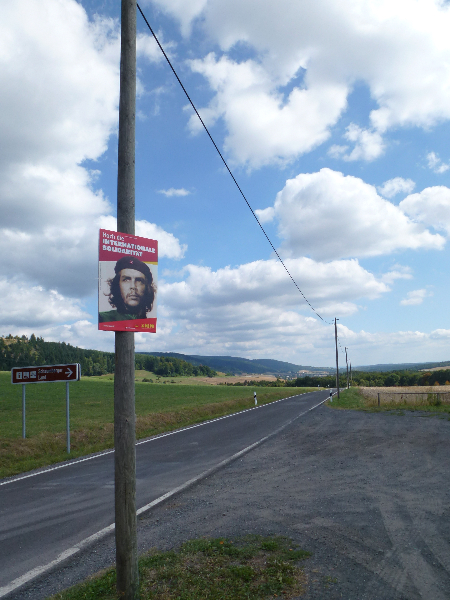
(367, 493)
(47, 515)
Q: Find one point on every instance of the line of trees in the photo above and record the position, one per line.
(171, 367)
(34, 351)
(361, 378)
(377, 379)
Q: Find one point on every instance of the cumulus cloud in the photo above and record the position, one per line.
(324, 284)
(306, 59)
(24, 306)
(327, 215)
(174, 192)
(168, 245)
(263, 125)
(436, 164)
(430, 207)
(395, 186)
(368, 145)
(57, 110)
(415, 297)
(244, 310)
(382, 347)
(147, 47)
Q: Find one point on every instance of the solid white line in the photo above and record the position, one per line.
(145, 441)
(20, 581)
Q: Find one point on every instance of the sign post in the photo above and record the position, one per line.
(46, 374)
(67, 417)
(23, 410)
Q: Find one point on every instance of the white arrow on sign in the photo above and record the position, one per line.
(69, 372)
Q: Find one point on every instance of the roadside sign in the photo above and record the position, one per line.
(127, 278)
(46, 373)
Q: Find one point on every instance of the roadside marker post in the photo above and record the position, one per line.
(46, 374)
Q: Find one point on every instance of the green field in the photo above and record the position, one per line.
(159, 407)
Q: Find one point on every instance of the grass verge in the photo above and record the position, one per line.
(250, 568)
(159, 408)
(354, 399)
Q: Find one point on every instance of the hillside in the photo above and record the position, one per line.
(402, 366)
(238, 366)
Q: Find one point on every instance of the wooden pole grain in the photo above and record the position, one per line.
(124, 394)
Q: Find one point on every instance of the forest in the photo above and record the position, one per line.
(361, 378)
(34, 351)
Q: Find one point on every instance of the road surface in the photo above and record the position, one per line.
(46, 516)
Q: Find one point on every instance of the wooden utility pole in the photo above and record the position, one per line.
(346, 362)
(124, 401)
(337, 358)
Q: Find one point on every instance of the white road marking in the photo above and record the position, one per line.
(150, 439)
(30, 575)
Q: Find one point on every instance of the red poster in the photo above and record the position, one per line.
(127, 282)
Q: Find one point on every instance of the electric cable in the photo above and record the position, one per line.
(228, 168)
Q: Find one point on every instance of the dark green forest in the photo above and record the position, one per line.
(34, 351)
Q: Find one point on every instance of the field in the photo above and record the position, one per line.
(422, 398)
(162, 406)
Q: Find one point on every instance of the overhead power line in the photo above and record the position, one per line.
(228, 168)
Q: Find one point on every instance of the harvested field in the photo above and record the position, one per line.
(235, 379)
(415, 395)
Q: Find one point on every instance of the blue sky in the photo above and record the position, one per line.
(335, 120)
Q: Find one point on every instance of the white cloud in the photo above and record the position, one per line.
(395, 186)
(245, 310)
(415, 297)
(430, 207)
(368, 145)
(324, 284)
(184, 11)
(263, 125)
(147, 47)
(174, 192)
(397, 272)
(168, 245)
(308, 57)
(25, 306)
(383, 348)
(436, 164)
(57, 109)
(328, 215)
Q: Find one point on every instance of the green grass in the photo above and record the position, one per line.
(250, 568)
(352, 399)
(159, 408)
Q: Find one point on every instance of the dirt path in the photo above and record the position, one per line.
(368, 494)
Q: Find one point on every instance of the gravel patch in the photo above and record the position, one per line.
(366, 493)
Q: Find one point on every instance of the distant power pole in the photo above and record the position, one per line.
(337, 359)
(124, 399)
(351, 376)
(346, 362)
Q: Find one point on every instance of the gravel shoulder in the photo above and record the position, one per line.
(366, 493)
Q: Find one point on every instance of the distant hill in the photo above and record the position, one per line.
(401, 366)
(237, 366)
